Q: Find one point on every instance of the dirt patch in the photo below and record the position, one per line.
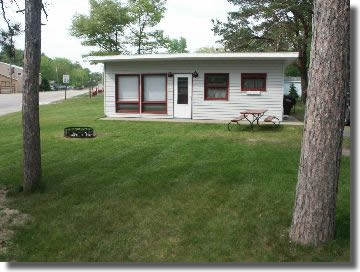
(263, 140)
(9, 218)
(346, 152)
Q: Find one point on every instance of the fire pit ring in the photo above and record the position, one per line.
(79, 132)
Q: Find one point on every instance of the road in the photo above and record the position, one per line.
(12, 102)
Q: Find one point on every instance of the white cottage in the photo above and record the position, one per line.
(195, 86)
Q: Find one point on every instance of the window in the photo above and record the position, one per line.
(127, 93)
(253, 82)
(216, 87)
(154, 93)
(6, 84)
(183, 89)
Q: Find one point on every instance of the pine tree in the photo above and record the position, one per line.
(315, 204)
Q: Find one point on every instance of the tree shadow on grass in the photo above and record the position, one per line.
(343, 226)
(262, 128)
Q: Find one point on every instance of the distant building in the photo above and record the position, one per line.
(292, 80)
(11, 77)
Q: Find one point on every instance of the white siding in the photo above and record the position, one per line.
(205, 109)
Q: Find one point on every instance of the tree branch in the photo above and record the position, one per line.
(262, 38)
(4, 15)
(44, 10)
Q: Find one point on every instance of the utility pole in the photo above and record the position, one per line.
(57, 74)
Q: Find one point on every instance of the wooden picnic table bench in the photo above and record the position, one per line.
(256, 115)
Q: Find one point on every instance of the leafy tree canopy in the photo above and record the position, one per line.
(269, 25)
(177, 46)
(48, 68)
(210, 50)
(7, 43)
(122, 27)
(266, 25)
(95, 79)
(45, 85)
(53, 69)
(17, 58)
(145, 15)
(104, 27)
(292, 70)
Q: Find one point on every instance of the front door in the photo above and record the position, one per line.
(182, 95)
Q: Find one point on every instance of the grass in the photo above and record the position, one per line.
(346, 143)
(161, 192)
(299, 111)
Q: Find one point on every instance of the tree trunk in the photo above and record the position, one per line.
(30, 104)
(116, 43)
(315, 204)
(139, 46)
(140, 33)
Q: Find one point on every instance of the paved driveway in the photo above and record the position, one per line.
(12, 102)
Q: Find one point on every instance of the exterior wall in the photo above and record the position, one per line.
(206, 109)
(16, 77)
(5, 85)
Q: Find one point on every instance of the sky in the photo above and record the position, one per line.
(190, 19)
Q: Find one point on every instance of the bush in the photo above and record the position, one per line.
(45, 85)
(288, 103)
(293, 93)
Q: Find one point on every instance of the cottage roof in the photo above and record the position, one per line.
(12, 65)
(286, 56)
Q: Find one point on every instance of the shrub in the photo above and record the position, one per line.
(45, 85)
(288, 103)
(293, 93)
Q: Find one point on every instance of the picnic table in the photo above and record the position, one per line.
(256, 115)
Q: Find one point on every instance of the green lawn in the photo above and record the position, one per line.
(299, 111)
(161, 192)
(346, 143)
